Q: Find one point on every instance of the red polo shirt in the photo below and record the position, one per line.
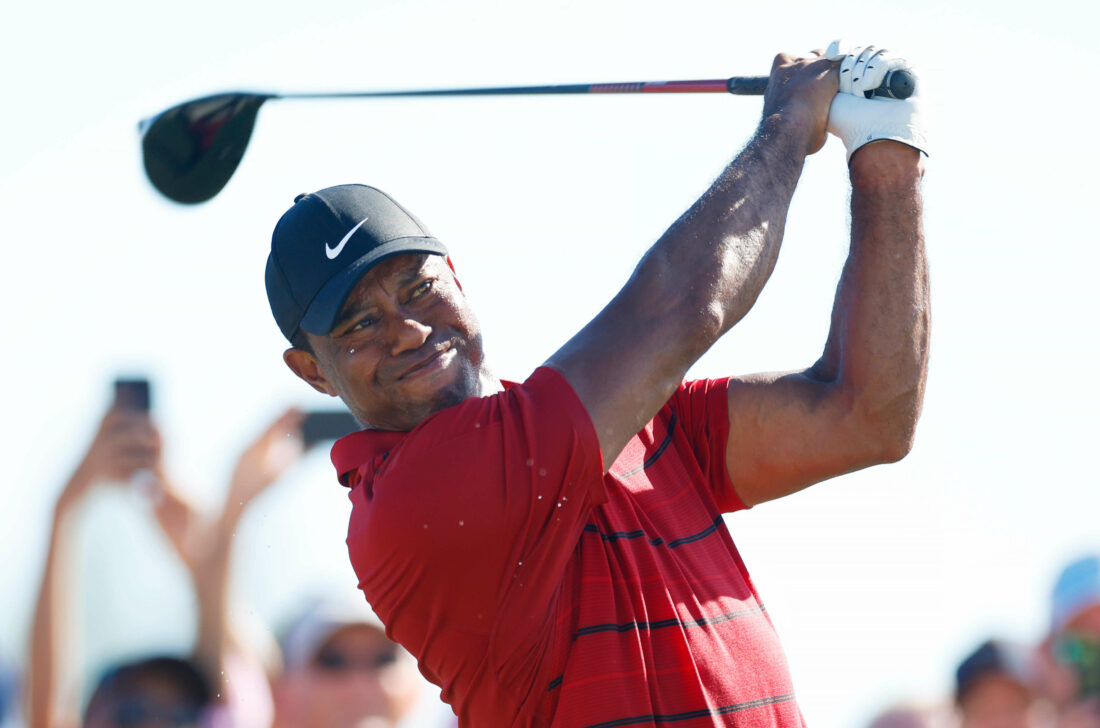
(538, 591)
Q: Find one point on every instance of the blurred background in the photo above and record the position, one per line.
(878, 582)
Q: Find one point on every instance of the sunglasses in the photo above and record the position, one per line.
(334, 661)
(1082, 655)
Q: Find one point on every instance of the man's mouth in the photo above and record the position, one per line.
(436, 360)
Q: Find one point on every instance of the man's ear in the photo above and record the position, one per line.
(302, 363)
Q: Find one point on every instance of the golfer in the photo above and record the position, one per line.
(553, 551)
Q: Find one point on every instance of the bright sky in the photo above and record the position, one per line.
(878, 582)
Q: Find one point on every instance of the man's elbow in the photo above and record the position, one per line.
(891, 426)
(895, 447)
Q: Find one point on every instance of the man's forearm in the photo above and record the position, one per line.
(716, 258)
(696, 282)
(705, 272)
(46, 694)
(877, 350)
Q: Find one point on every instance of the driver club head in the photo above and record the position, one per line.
(191, 150)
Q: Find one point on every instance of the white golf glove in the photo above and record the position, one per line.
(859, 118)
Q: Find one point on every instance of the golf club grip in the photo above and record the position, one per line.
(898, 84)
(747, 85)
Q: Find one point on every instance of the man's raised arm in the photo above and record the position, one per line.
(858, 405)
(706, 271)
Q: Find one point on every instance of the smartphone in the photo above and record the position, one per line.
(132, 394)
(323, 425)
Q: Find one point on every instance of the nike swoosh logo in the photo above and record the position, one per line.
(333, 252)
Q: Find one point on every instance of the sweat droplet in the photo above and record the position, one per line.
(462, 523)
(521, 563)
(351, 351)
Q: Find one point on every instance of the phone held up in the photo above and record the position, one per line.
(325, 425)
(132, 394)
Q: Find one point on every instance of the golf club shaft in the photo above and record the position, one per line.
(740, 85)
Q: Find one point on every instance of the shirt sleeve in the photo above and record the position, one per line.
(702, 407)
(472, 519)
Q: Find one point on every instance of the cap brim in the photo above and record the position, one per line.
(325, 308)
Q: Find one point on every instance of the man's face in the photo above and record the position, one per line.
(405, 346)
(998, 701)
(357, 679)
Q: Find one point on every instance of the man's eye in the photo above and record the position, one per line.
(421, 289)
(361, 324)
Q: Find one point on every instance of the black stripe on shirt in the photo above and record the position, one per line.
(704, 713)
(656, 454)
(658, 541)
(674, 622)
(700, 622)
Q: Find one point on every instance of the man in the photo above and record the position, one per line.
(913, 715)
(1070, 654)
(341, 671)
(154, 690)
(151, 693)
(553, 551)
(994, 687)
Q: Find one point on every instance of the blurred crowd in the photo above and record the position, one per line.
(1005, 684)
(332, 666)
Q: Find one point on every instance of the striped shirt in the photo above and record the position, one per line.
(537, 591)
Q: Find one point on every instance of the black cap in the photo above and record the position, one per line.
(325, 243)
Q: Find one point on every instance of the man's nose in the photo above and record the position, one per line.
(408, 334)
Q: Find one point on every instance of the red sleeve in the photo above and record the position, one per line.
(702, 407)
(461, 540)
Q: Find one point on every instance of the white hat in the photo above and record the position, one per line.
(321, 619)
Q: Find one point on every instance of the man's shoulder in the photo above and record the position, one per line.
(474, 433)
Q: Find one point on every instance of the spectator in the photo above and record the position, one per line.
(913, 715)
(341, 671)
(995, 687)
(1071, 652)
(159, 690)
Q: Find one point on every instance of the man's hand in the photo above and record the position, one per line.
(863, 70)
(127, 442)
(800, 91)
(199, 538)
(858, 120)
(261, 464)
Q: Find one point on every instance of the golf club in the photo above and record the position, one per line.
(191, 150)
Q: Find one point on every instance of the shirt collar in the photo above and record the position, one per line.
(350, 452)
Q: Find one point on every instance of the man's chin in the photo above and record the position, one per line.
(437, 395)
